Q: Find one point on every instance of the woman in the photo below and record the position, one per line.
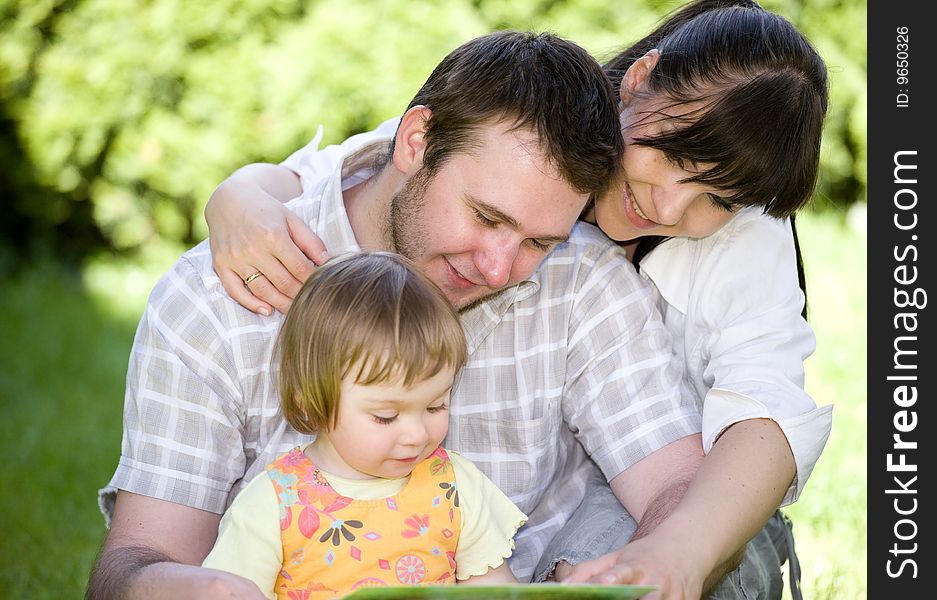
(722, 112)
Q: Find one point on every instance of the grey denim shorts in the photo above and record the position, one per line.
(601, 525)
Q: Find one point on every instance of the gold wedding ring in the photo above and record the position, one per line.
(251, 278)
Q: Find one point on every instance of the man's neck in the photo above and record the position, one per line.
(368, 207)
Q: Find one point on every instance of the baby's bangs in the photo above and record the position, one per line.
(424, 338)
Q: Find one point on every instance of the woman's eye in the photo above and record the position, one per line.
(674, 160)
(721, 203)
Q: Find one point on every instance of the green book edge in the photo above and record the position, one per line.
(540, 591)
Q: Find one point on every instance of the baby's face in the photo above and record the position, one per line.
(385, 430)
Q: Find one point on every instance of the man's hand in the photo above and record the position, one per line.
(153, 550)
(688, 546)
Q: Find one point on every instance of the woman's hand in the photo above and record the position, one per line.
(260, 250)
(643, 562)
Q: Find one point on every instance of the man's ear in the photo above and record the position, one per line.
(410, 141)
(637, 74)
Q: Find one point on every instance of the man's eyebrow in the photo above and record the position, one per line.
(496, 214)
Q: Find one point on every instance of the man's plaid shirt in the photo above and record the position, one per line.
(573, 363)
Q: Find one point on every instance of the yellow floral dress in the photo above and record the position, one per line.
(333, 544)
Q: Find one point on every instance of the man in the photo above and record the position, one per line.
(480, 185)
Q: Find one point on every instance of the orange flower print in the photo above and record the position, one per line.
(416, 526)
(411, 569)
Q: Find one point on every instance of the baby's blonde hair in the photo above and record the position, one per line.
(370, 316)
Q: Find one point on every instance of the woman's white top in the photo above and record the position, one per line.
(733, 305)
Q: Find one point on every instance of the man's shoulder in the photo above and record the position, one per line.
(589, 253)
(587, 234)
(191, 276)
(585, 240)
(190, 299)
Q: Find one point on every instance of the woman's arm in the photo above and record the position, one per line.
(744, 310)
(251, 231)
(753, 463)
(738, 486)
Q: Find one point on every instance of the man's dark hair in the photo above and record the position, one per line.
(531, 81)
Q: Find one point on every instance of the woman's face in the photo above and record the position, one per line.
(649, 197)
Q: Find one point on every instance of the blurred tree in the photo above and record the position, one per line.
(117, 119)
(838, 29)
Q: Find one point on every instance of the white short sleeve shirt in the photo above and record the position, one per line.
(732, 304)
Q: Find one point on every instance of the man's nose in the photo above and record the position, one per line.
(496, 261)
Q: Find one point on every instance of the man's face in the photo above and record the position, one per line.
(487, 218)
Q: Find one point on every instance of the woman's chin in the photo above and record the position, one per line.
(617, 227)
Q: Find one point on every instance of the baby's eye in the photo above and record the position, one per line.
(384, 420)
(436, 409)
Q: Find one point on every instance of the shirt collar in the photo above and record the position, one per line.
(672, 264)
(480, 319)
(666, 266)
(358, 163)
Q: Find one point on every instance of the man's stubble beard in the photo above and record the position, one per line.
(405, 230)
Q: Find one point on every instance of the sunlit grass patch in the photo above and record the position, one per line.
(830, 518)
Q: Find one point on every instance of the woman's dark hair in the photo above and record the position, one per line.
(759, 92)
(764, 95)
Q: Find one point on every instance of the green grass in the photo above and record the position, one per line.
(61, 388)
(830, 517)
(64, 353)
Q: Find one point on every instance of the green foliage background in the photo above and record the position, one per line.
(118, 118)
